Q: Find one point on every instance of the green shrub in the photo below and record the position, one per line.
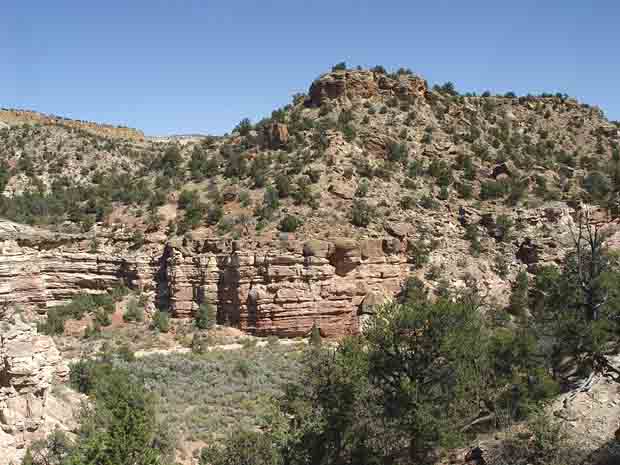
(271, 199)
(362, 214)
(315, 336)
(134, 312)
(206, 316)
(54, 323)
(464, 190)
(102, 318)
(290, 223)
(214, 214)
(519, 296)
(429, 203)
(473, 236)
(161, 321)
(397, 152)
(362, 188)
(407, 202)
(242, 448)
(503, 228)
(283, 186)
(490, 190)
(419, 253)
(81, 305)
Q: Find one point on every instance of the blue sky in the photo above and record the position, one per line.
(187, 66)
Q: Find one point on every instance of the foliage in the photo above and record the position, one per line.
(53, 450)
(362, 213)
(578, 303)
(134, 312)
(519, 296)
(244, 448)
(161, 321)
(76, 309)
(490, 190)
(315, 336)
(503, 227)
(290, 223)
(121, 428)
(206, 316)
(397, 152)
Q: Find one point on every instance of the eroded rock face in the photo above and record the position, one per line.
(284, 292)
(29, 363)
(271, 288)
(275, 136)
(279, 287)
(354, 85)
(36, 278)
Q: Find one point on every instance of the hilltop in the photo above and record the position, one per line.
(361, 147)
(369, 188)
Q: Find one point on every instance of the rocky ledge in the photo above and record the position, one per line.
(29, 363)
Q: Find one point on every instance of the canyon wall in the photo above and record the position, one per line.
(284, 288)
(278, 286)
(275, 288)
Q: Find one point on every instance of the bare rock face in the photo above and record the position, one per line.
(271, 291)
(353, 85)
(276, 287)
(29, 363)
(276, 136)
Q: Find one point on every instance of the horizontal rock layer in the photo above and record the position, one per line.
(268, 289)
(274, 287)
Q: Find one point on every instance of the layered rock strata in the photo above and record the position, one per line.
(284, 292)
(279, 286)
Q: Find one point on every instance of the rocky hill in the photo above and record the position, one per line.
(315, 214)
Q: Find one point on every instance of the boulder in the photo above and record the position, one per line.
(342, 191)
(316, 248)
(397, 229)
(275, 136)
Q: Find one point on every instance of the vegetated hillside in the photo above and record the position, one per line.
(364, 155)
(362, 148)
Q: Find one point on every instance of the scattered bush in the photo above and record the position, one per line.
(134, 312)
(290, 223)
(362, 214)
(161, 321)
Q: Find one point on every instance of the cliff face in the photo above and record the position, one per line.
(283, 289)
(278, 287)
(29, 362)
(266, 289)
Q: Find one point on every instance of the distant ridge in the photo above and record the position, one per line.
(14, 117)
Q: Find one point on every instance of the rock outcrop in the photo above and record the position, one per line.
(284, 290)
(273, 286)
(29, 363)
(353, 85)
(275, 136)
(16, 117)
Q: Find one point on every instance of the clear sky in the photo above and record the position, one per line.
(190, 66)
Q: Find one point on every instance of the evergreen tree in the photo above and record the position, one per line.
(206, 317)
(519, 297)
(315, 336)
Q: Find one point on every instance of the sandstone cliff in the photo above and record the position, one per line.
(279, 286)
(29, 363)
